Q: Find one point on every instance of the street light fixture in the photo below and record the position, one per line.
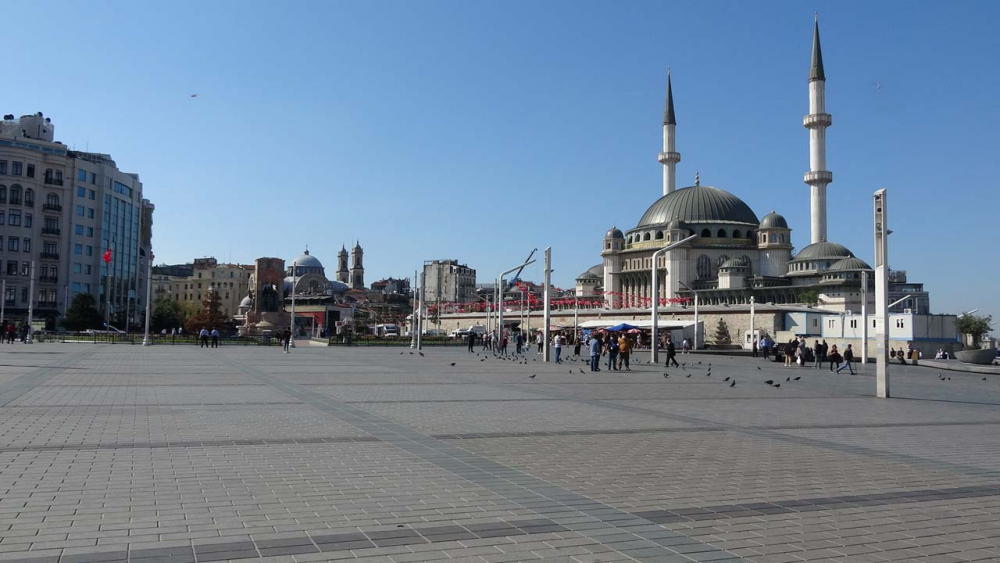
(500, 290)
(654, 349)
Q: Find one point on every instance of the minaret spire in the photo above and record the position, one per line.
(816, 122)
(669, 157)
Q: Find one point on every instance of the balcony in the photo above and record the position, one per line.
(15, 201)
(53, 181)
(51, 231)
(50, 256)
(817, 120)
(29, 203)
(51, 207)
(48, 279)
(47, 305)
(818, 177)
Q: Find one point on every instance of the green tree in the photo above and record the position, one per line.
(975, 326)
(167, 314)
(210, 316)
(83, 314)
(809, 297)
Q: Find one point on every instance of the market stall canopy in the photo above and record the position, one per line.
(635, 323)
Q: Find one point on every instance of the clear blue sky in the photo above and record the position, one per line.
(479, 130)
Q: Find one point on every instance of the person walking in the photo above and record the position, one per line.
(203, 337)
(595, 352)
(833, 357)
(685, 346)
(755, 348)
(671, 353)
(472, 341)
(557, 341)
(818, 355)
(848, 358)
(286, 340)
(624, 351)
(503, 344)
(215, 337)
(612, 350)
(576, 346)
(519, 342)
(538, 340)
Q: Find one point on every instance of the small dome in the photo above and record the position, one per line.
(849, 265)
(596, 271)
(698, 204)
(246, 303)
(307, 261)
(773, 221)
(588, 276)
(823, 250)
(675, 225)
(733, 264)
(614, 232)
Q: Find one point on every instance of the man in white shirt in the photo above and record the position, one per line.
(557, 344)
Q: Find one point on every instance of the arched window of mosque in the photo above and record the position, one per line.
(774, 237)
(781, 238)
(704, 267)
(705, 233)
(736, 233)
(721, 233)
(646, 237)
(607, 246)
(746, 262)
(659, 235)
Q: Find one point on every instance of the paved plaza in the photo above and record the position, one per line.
(179, 454)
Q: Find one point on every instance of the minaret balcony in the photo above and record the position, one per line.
(818, 177)
(817, 120)
(669, 157)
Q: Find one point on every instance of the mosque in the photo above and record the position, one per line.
(736, 255)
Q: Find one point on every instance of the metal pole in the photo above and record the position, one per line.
(149, 290)
(547, 315)
(881, 295)
(500, 293)
(696, 321)
(655, 309)
(420, 305)
(864, 317)
(413, 313)
(576, 318)
(31, 302)
(291, 341)
(3, 304)
(751, 322)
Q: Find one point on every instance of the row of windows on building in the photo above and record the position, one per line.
(46, 272)
(193, 296)
(87, 212)
(853, 323)
(81, 175)
(705, 233)
(82, 192)
(243, 274)
(17, 168)
(81, 249)
(46, 297)
(224, 284)
(28, 200)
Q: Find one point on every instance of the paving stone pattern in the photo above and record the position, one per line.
(163, 454)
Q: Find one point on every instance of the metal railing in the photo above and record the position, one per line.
(157, 339)
(51, 231)
(50, 256)
(341, 340)
(51, 207)
(53, 181)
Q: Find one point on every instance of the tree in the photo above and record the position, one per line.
(973, 325)
(167, 314)
(83, 314)
(210, 316)
(809, 297)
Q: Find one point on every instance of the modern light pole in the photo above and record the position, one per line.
(500, 293)
(752, 338)
(413, 314)
(881, 295)
(149, 292)
(292, 320)
(864, 317)
(696, 318)
(31, 303)
(655, 348)
(3, 302)
(420, 306)
(547, 315)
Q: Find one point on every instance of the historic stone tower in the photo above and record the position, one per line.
(357, 267)
(816, 122)
(343, 275)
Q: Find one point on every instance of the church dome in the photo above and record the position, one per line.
(307, 261)
(773, 221)
(849, 265)
(823, 250)
(614, 232)
(698, 204)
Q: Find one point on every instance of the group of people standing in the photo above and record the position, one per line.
(205, 334)
(617, 347)
(10, 332)
(491, 342)
(797, 352)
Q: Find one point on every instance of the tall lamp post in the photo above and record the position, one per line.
(696, 319)
(547, 310)
(31, 303)
(413, 314)
(654, 348)
(291, 322)
(500, 293)
(881, 295)
(149, 292)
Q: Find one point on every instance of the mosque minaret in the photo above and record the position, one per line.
(816, 122)
(669, 157)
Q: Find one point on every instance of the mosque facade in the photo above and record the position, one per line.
(736, 255)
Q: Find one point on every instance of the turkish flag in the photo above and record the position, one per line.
(107, 256)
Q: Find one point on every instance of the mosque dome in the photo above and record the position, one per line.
(733, 264)
(307, 261)
(595, 272)
(698, 204)
(614, 232)
(849, 265)
(823, 250)
(773, 221)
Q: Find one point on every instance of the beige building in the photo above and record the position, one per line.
(232, 281)
(449, 281)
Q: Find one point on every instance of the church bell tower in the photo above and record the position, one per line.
(343, 275)
(357, 267)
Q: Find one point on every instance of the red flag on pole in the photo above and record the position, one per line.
(107, 256)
